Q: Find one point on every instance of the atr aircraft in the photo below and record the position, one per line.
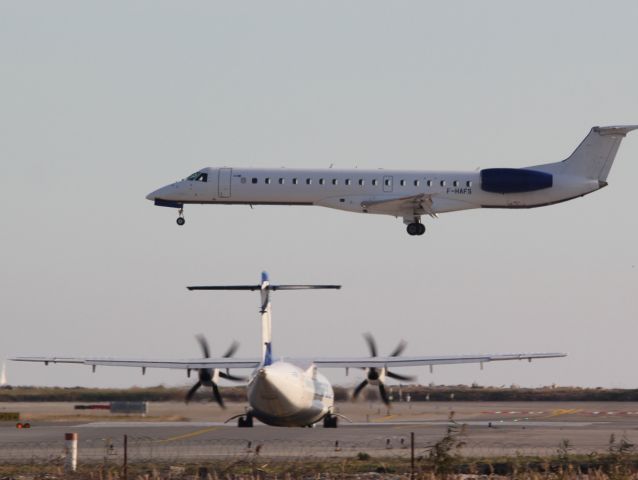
(406, 194)
(289, 392)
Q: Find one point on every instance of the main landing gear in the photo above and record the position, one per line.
(330, 421)
(245, 421)
(415, 228)
(181, 220)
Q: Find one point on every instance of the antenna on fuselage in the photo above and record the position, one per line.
(265, 287)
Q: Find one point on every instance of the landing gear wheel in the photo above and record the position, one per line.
(415, 228)
(245, 422)
(181, 220)
(330, 421)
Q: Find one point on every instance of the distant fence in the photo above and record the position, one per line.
(147, 449)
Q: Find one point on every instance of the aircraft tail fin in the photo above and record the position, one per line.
(265, 288)
(595, 155)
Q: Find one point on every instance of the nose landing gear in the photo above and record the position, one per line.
(181, 220)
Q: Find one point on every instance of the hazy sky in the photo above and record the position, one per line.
(102, 102)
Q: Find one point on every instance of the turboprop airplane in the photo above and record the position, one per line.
(289, 392)
(407, 194)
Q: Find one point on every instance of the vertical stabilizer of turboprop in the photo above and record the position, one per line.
(265, 308)
(266, 320)
(595, 155)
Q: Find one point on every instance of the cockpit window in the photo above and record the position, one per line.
(198, 177)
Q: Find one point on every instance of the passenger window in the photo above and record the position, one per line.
(456, 183)
(429, 183)
(387, 182)
(281, 181)
(443, 183)
(417, 183)
(335, 181)
(321, 181)
(295, 181)
(361, 182)
(468, 183)
(254, 180)
(308, 181)
(402, 183)
(374, 182)
(267, 180)
(347, 181)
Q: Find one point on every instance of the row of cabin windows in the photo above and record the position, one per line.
(387, 182)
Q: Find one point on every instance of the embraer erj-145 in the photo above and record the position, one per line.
(406, 194)
(290, 392)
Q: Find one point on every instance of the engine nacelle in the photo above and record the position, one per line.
(514, 180)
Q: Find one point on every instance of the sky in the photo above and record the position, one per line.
(103, 102)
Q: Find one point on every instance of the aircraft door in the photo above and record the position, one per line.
(225, 175)
(387, 184)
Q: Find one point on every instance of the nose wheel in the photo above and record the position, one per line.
(181, 220)
(415, 228)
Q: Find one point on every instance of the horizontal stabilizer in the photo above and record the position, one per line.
(258, 287)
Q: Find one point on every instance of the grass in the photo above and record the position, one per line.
(532, 468)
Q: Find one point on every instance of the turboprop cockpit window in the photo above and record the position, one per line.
(198, 177)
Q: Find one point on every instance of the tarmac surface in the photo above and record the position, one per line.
(176, 431)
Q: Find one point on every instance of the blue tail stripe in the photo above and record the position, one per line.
(268, 355)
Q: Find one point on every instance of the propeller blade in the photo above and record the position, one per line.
(384, 394)
(371, 344)
(228, 376)
(231, 350)
(203, 343)
(360, 387)
(192, 391)
(396, 376)
(217, 396)
(399, 350)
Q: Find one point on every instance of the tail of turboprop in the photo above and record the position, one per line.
(264, 288)
(593, 158)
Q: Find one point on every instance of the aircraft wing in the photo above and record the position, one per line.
(185, 364)
(386, 362)
(420, 204)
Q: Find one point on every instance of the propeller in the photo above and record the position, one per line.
(209, 377)
(375, 375)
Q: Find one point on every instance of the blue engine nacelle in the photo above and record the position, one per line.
(514, 180)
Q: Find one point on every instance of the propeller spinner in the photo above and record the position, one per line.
(376, 376)
(209, 377)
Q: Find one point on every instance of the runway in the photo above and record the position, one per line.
(177, 431)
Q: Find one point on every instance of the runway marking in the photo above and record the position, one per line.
(188, 435)
(565, 411)
(383, 419)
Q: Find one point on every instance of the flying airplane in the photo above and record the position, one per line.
(407, 194)
(289, 392)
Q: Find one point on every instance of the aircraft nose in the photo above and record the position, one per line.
(159, 193)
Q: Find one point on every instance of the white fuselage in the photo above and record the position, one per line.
(350, 190)
(285, 395)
